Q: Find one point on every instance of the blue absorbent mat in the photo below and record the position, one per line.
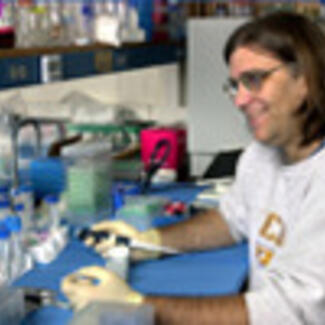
(210, 273)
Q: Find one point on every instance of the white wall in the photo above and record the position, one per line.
(214, 123)
(156, 87)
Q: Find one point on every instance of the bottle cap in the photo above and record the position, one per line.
(51, 198)
(13, 223)
(19, 207)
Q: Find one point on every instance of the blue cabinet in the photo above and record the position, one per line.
(77, 65)
(147, 55)
(19, 71)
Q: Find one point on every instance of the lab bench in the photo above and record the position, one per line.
(209, 273)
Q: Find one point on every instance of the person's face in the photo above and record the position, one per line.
(270, 106)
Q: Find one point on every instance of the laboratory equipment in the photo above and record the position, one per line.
(47, 176)
(176, 208)
(85, 233)
(10, 125)
(87, 195)
(4, 208)
(155, 162)
(60, 237)
(119, 25)
(150, 143)
(141, 210)
(4, 254)
(49, 239)
(19, 210)
(46, 245)
(51, 207)
(84, 22)
(43, 251)
(27, 197)
(20, 260)
(35, 298)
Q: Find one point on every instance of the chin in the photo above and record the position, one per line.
(263, 138)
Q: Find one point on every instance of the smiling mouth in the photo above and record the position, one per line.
(256, 119)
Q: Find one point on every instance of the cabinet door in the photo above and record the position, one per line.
(77, 65)
(19, 71)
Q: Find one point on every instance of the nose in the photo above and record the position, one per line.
(243, 97)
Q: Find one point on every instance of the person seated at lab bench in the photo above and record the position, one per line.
(277, 80)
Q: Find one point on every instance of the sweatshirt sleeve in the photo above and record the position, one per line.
(293, 291)
(233, 205)
(233, 210)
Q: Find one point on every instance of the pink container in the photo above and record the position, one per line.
(177, 139)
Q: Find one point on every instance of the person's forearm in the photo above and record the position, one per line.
(193, 311)
(204, 231)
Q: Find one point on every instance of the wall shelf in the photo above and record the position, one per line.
(21, 67)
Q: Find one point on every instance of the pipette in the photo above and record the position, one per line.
(153, 248)
(40, 297)
(97, 236)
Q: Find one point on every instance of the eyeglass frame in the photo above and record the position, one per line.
(231, 86)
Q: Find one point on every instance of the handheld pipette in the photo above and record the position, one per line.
(132, 243)
(40, 297)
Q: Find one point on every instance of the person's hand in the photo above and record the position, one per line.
(121, 228)
(94, 283)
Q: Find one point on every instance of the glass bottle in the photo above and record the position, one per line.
(4, 254)
(17, 255)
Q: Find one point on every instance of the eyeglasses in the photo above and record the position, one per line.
(252, 80)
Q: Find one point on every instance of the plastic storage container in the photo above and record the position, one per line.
(88, 188)
(140, 210)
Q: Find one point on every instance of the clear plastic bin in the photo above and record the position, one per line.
(89, 182)
(140, 210)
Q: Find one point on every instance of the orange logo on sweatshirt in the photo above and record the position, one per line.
(273, 232)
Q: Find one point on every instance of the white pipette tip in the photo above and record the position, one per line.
(153, 248)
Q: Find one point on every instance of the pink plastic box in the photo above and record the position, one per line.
(177, 138)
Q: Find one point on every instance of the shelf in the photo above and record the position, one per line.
(21, 67)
